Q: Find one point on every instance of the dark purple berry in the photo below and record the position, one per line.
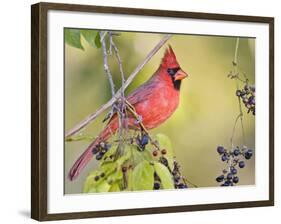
(220, 150)
(225, 184)
(241, 164)
(248, 154)
(220, 178)
(229, 176)
(252, 100)
(99, 156)
(97, 178)
(235, 179)
(95, 150)
(236, 152)
(144, 140)
(156, 186)
(224, 158)
(229, 183)
(238, 93)
(234, 171)
(243, 94)
(102, 175)
(181, 186)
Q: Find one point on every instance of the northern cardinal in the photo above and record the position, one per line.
(154, 101)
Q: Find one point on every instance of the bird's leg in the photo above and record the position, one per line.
(131, 109)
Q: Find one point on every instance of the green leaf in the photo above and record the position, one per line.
(115, 176)
(126, 156)
(72, 37)
(101, 187)
(108, 167)
(165, 143)
(143, 176)
(90, 181)
(114, 187)
(147, 155)
(89, 36)
(164, 175)
(97, 40)
(137, 156)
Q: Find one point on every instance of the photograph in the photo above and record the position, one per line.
(151, 111)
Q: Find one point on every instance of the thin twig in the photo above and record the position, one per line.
(94, 115)
(236, 52)
(122, 100)
(234, 128)
(116, 51)
(240, 115)
(105, 64)
(241, 121)
(102, 35)
(187, 181)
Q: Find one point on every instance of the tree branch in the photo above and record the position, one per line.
(94, 115)
(105, 63)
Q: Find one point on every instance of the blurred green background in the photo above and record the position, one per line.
(208, 106)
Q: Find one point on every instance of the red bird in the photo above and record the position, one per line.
(154, 101)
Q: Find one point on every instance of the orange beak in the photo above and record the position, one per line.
(180, 75)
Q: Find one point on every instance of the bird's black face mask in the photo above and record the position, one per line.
(172, 72)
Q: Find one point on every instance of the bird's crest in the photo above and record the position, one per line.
(169, 60)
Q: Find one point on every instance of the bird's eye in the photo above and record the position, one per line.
(172, 71)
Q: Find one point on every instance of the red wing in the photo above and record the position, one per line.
(142, 93)
(139, 95)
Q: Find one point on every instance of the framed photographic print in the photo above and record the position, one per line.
(138, 111)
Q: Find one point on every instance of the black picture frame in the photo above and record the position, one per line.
(39, 106)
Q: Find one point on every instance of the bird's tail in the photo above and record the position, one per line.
(85, 158)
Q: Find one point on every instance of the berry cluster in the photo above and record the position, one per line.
(247, 95)
(158, 154)
(100, 150)
(234, 159)
(178, 178)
